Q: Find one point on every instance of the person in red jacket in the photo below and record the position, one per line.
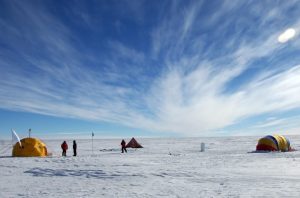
(64, 147)
(123, 144)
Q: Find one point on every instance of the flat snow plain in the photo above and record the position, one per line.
(163, 168)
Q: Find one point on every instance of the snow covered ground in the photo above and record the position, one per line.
(163, 168)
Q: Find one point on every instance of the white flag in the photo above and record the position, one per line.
(15, 137)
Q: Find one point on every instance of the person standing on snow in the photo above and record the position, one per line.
(64, 147)
(123, 143)
(74, 148)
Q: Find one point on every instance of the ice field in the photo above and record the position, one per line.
(163, 168)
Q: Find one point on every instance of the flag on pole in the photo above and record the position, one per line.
(15, 137)
(93, 134)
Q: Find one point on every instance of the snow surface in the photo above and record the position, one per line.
(163, 168)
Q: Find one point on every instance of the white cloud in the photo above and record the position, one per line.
(272, 123)
(285, 126)
(193, 105)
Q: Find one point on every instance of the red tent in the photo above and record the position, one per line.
(133, 144)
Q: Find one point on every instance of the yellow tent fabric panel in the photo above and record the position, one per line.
(282, 142)
(31, 147)
(267, 142)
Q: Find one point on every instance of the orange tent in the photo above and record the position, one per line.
(133, 144)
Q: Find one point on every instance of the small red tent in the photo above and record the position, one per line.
(133, 144)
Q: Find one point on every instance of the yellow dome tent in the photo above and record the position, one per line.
(30, 147)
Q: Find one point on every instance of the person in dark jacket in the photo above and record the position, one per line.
(64, 147)
(123, 145)
(74, 148)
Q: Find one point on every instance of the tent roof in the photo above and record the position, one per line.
(31, 147)
(133, 144)
(273, 143)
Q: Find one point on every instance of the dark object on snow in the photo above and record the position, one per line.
(123, 145)
(74, 148)
(133, 144)
(64, 147)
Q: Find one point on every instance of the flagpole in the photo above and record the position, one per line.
(93, 143)
(12, 138)
(14, 135)
(29, 132)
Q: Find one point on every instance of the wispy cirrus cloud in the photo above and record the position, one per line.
(206, 107)
(214, 67)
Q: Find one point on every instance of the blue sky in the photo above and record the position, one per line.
(149, 68)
